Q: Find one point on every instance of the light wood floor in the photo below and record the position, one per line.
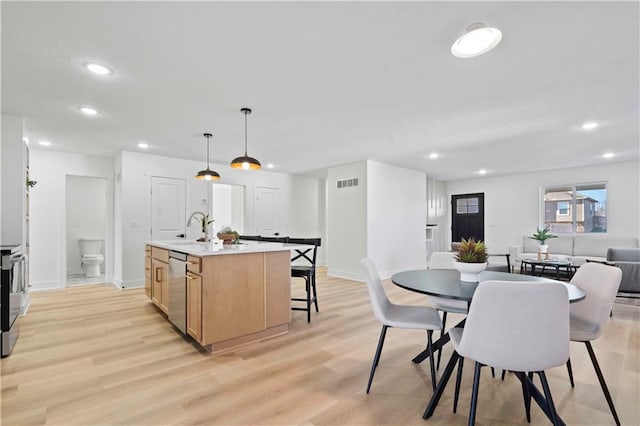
(96, 355)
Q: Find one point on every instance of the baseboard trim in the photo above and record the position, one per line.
(44, 285)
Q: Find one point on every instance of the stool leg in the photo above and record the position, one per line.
(315, 294)
(306, 280)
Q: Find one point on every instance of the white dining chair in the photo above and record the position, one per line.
(587, 318)
(444, 260)
(398, 316)
(516, 326)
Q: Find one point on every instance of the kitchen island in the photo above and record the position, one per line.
(227, 295)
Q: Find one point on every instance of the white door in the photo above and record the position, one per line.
(168, 206)
(266, 211)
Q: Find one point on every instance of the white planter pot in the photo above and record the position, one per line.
(469, 271)
(544, 248)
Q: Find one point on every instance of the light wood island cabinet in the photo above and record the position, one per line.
(157, 276)
(231, 299)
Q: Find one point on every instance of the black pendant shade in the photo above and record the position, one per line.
(208, 174)
(245, 162)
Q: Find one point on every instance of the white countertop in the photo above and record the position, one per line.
(216, 247)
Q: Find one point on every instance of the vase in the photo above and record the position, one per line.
(470, 271)
(543, 251)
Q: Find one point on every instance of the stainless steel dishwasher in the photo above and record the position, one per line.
(177, 303)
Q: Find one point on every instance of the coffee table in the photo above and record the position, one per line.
(557, 264)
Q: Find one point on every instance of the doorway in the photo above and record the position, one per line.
(86, 229)
(227, 206)
(467, 216)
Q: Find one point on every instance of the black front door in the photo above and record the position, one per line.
(467, 216)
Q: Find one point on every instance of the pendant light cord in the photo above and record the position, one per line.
(245, 133)
(208, 152)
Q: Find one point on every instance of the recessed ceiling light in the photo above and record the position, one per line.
(478, 39)
(44, 143)
(434, 155)
(143, 145)
(88, 110)
(98, 69)
(270, 166)
(589, 125)
(608, 155)
(482, 172)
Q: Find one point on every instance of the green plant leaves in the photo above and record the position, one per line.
(472, 251)
(542, 235)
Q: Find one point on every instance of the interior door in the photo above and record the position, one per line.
(168, 204)
(467, 216)
(266, 211)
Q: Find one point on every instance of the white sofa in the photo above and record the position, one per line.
(577, 248)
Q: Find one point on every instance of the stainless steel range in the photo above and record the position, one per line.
(12, 286)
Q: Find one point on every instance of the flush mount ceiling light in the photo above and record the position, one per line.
(98, 69)
(608, 155)
(477, 40)
(143, 145)
(208, 174)
(482, 172)
(434, 155)
(589, 125)
(44, 143)
(88, 110)
(245, 162)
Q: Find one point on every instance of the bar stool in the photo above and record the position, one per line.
(306, 272)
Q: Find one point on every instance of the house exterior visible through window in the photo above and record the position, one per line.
(578, 208)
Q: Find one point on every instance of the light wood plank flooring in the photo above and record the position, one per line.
(95, 355)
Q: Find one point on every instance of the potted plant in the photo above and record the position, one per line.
(228, 235)
(471, 259)
(543, 235)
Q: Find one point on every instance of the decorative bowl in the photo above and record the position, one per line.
(470, 271)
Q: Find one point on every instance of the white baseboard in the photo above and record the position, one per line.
(132, 284)
(44, 285)
(344, 274)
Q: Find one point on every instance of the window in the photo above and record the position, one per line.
(563, 208)
(467, 206)
(580, 208)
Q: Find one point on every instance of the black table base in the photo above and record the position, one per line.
(531, 392)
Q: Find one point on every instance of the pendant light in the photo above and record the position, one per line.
(245, 162)
(208, 174)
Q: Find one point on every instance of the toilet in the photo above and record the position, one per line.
(92, 257)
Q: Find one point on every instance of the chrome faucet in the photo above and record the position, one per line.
(204, 223)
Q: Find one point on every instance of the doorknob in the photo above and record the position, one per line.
(180, 235)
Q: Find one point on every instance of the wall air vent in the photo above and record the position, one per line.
(346, 183)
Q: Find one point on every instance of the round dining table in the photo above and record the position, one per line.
(446, 283)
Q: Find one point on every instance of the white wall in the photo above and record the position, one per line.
(86, 216)
(396, 218)
(47, 212)
(135, 201)
(308, 212)
(382, 218)
(346, 221)
(12, 228)
(512, 203)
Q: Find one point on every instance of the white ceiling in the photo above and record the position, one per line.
(330, 82)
